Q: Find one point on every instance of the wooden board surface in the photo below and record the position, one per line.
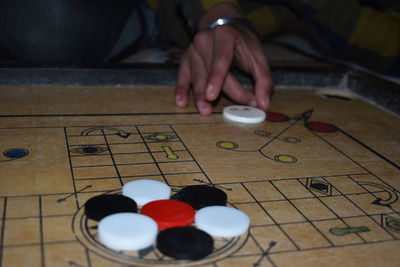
(317, 166)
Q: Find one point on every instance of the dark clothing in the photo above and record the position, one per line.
(64, 31)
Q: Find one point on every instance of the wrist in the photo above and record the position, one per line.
(222, 10)
(225, 21)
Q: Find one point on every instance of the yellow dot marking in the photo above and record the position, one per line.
(169, 153)
(227, 145)
(160, 137)
(286, 158)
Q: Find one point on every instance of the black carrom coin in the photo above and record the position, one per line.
(101, 206)
(185, 243)
(200, 196)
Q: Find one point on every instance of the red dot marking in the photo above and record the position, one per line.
(321, 127)
(276, 117)
(246, 109)
(169, 213)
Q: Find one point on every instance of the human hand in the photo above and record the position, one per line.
(206, 67)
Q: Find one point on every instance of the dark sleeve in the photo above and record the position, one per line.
(355, 32)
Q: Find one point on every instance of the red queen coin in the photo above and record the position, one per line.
(169, 213)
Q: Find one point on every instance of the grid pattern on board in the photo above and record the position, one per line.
(297, 213)
(105, 159)
(287, 211)
(37, 229)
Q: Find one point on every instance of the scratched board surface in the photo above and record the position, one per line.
(320, 178)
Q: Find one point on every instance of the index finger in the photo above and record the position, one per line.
(263, 91)
(223, 50)
(183, 83)
(263, 83)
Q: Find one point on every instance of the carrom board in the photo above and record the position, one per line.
(319, 178)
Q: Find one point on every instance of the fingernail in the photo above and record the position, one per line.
(203, 108)
(209, 90)
(253, 103)
(179, 101)
(201, 105)
(267, 101)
